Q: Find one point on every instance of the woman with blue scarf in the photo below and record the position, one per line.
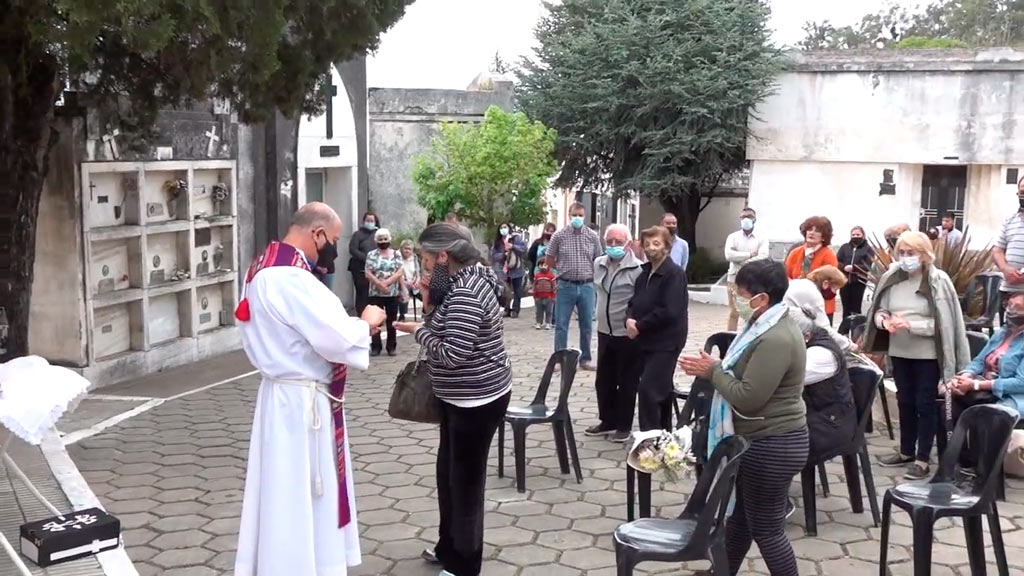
(758, 395)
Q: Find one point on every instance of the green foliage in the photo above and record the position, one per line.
(649, 96)
(488, 173)
(970, 22)
(704, 269)
(921, 42)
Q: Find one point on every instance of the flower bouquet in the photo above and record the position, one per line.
(663, 451)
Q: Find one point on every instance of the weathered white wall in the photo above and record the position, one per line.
(990, 201)
(960, 107)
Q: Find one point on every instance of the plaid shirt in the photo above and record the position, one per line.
(574, 252)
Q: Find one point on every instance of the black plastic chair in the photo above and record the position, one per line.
(864, 383)
(719, 340)
(537, 412)
(699, 532)
(859, 325)
(989, 427)
(985, 286)
(976, 341)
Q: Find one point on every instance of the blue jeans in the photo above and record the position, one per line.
(582, 297)
(328, 280)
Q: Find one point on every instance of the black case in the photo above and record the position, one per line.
(65, 538)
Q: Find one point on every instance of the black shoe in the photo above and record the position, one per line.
(917, 471)
(599, 430)
(392, 353)
(374, 352)
(429, 556)
(619, 437)
(515, 313)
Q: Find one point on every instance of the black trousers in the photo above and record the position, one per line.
(362, 286)
(655, 390)
(762, 495)
(852, 296)
(618, 375)
(515, 301)
(917, 392)
(390, 306)
(466, 435)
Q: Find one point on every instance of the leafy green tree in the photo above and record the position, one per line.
(650, 96)
(134, 58)
(961, 22)
(488, 173)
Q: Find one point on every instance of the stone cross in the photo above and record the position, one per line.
(111, 141)
(211, 145)
(330, 91)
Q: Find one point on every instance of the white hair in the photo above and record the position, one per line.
(620, 228)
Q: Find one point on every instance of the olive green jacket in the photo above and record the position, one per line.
(766, 392)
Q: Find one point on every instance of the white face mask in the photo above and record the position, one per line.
(747, 224)
(910, 263)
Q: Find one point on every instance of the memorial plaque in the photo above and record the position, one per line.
(109, 266)
(111, 330)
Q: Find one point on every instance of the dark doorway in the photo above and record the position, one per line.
(943, 190)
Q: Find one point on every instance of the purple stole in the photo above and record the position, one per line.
(280, 254)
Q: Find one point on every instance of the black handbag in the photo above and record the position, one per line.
(413, 397)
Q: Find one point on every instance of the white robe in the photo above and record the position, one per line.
(296, 329)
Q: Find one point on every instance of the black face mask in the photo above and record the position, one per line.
(383, 245)
(671, 230)
(856, 241)
(1015, 320)
(326, 253)
(1021, 200)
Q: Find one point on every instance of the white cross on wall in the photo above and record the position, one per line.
(111, 141)
(211, 143)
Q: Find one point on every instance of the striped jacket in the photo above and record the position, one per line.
(464, 342)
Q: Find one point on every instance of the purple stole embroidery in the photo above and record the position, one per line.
(280, 254)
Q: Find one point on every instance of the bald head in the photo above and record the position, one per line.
(315, 215)
(313, 226)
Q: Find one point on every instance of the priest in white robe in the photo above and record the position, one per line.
(299, 510)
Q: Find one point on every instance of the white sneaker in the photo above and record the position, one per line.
(549, 326)
(538, 326)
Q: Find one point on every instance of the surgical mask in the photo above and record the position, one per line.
(747, 224)
(577, 222)
(910, 263)
(1015, 320)
(615, 252)
(743, 308)
(370, 225)
(504, 230)
(326, 253)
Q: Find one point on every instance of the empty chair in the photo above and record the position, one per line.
(864, 384)
(537, 412)
(857, 326)
(719, 340)
(988, 427)
(976, 341)
(699, 532)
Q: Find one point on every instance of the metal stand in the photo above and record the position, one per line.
(12, 467)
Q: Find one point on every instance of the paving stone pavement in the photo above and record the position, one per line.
(174, 475)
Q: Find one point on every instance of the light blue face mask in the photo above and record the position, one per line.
(910, 263)
(504, 231)
(577, 222)
(747, 224)
(615, 252)
(370, 225)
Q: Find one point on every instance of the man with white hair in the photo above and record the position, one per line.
(298, 511)
(618, 367)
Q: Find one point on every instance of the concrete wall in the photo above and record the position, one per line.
(927, 107)
(57, 310)
(402, 124)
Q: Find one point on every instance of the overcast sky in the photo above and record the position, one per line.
(446, 43)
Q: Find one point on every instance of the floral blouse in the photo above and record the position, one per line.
(383, 268)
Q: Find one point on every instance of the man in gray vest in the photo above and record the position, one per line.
(618, 366)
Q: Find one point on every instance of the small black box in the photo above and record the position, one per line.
(70, 537)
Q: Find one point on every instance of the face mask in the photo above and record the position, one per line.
(1021, 200)
(383, 245)
(654, 255)
(856, 241)
(671, 230)
(546, 236)
(1015, 320)
(747, 224)
(744, 309)
(370, 225)
(577, 222)
(326, 253)
(615, 252)
(504, 231)
(910, 263)
(828, 294)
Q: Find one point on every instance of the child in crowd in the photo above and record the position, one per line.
(544, 297)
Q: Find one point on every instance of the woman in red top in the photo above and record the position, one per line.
(813, 254)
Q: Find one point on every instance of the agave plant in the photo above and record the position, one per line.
(958, 261)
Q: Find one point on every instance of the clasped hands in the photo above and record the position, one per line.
(701, 365)
(964, 383)
(893, 324)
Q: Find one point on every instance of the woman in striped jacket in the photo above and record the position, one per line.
(472, 376)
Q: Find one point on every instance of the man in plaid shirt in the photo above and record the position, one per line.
(572, 251)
